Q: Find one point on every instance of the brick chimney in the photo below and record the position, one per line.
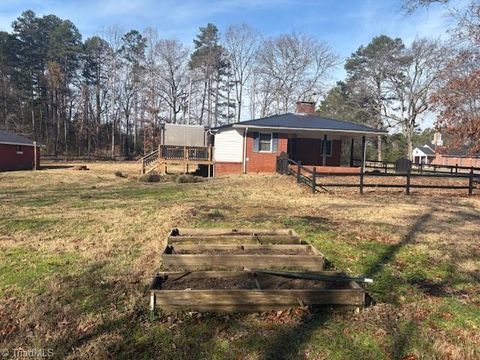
(306, 107)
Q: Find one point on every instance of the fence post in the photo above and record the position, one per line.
(299, 164)
(456, 169)
(361, 180)
(470, 182)
(408, 182)
(314, 180)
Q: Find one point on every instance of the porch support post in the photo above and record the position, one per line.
(324, 150)
(351, 152)
(362, 169)
(364, 143)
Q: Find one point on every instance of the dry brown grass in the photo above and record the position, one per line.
(78, 249)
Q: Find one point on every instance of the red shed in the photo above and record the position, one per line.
(17, 152)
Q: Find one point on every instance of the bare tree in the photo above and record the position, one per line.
(297, 64)
(241, 43)
(419, 75)
(173, 81)
(369, 70)
(113, 37)
(411, 6)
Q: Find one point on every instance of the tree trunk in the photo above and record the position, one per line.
(379, 148)
(202, 110)
(239, 103)
(409, 140)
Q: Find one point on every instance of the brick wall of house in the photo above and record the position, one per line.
(228, 168)
(452, 161)
(11, 160)
(309, 152)
(263, 162)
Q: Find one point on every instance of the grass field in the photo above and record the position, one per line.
(78, 249)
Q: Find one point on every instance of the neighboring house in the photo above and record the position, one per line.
(17, 152)
(424, 154)
(437, 154)
(460, 157)
(253, 146)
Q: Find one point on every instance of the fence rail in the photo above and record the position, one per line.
(310, 178)
(50, 157)
(187, 153)
(421, 168)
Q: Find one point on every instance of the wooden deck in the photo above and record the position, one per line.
(188, 157)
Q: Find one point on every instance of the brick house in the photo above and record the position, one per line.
(460, 157)
(18, 152)
(253, 146)
(437, 154)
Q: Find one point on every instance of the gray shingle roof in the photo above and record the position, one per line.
(306, 122)
(8, 137)
(427, 151)
(460, 152)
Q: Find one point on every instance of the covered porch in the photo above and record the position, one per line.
(329, 153)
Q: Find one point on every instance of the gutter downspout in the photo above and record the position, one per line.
(213, 150)
(245, 150)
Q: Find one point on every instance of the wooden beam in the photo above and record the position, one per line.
(254, 300)
(300, 249)
(228, 261)
(352, 144)
(239, 239)
(362, 169)
(324, 150)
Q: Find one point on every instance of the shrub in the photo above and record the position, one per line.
(150, 178)
(120, 174)
(181, 179)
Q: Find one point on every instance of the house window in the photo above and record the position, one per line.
(19, 149)
(265, 143)
(329, 148)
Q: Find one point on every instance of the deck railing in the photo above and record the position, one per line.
(185, 153)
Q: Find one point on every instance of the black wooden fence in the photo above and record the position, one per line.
(309, 176)
(386, 166)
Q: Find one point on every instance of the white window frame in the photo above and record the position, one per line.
(331, 148)
(19, 149)
(259, 142)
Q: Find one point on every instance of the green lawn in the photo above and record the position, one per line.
(78, 249)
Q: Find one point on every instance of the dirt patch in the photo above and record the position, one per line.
(239, 251)
(80, 167)
(209, 283)
(245, 281)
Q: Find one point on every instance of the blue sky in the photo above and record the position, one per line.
(342, 24)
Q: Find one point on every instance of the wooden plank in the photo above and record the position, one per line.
(306, 249)
(220, 273)
(238, 237)
(232, 308)
(173, 240)
(285, 297)
(276, 239)
(205, 262)
(234, 231)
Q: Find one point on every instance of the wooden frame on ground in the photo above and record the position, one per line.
(241, 256)
(248, 300)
